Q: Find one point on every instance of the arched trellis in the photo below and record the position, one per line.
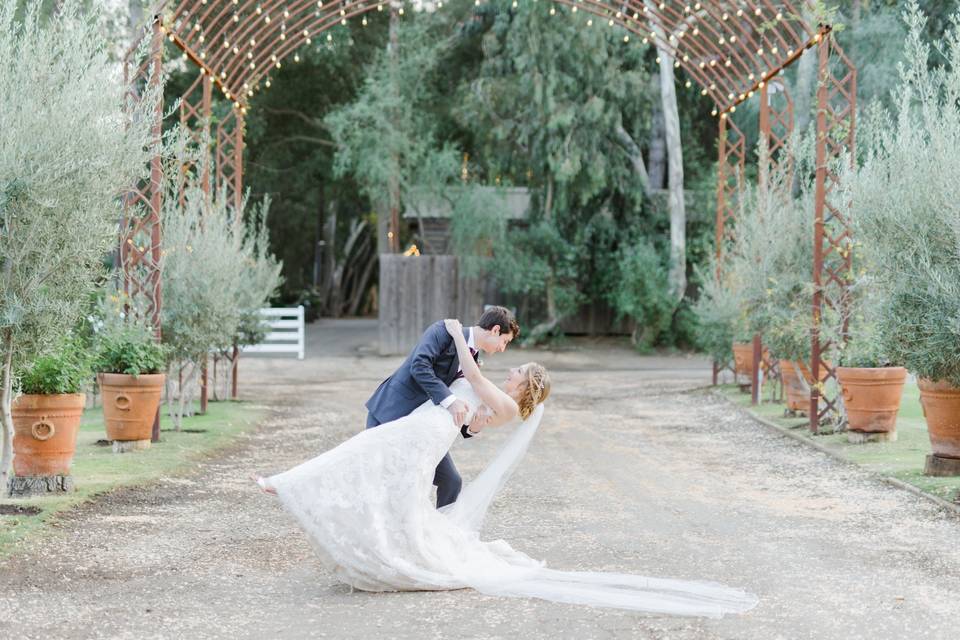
(732, 49)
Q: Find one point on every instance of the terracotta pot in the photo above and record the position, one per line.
(45, 433)
(130, 404)
(871, 396)
(798, 393)
(941, 408)
(743, 358)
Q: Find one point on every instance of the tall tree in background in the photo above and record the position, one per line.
(558, 106)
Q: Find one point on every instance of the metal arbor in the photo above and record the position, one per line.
(732, 49)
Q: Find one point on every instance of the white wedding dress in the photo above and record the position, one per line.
(366, 508)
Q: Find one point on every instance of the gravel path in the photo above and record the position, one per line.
(632, 471)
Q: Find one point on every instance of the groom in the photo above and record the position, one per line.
(428, 372)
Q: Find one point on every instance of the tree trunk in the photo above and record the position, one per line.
(677, 206)
(330, 240)
(6, 400)
(550, 323)
(318, 243)
(393, 184)
(633, 152)
(658, 142)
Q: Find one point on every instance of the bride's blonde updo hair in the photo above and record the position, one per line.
(535, 390)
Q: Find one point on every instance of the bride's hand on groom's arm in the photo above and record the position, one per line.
(454, 328)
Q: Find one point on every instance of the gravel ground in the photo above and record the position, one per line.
(633, 470)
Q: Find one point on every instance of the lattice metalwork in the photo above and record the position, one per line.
(229, 156)
(776, 126)
(195, 111)
(140, 251)
(836, 121)
(731, 48)
(732, 152)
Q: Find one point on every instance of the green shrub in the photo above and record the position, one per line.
(65, 370)
(130, 348)
(641, 291)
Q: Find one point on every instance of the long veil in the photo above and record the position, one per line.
(521, 578)
(471, 506)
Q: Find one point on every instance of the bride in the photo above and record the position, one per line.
(365, 507)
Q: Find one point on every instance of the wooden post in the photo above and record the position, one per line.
(757, 363)
(236, 370)
(204, 395)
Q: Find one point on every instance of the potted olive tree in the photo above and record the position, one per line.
(46, 419)
(68, 153)
(130, 364)
(904, 194)
(870, 383)
(216, 270)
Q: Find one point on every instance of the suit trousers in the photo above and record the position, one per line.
(446, 478)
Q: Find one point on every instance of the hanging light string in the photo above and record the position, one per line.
(731, 49)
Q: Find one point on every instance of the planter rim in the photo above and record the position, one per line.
(872, 372)
(147, 378)
(939, 385)
(69, 399)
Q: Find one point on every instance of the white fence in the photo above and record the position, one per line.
(285, 335)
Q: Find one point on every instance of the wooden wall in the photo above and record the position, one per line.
(416, 291)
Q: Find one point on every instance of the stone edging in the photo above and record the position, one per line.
(954, 509)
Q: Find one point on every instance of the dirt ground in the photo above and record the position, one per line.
(636, 469)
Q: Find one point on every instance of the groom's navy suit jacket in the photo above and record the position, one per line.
(426, 373)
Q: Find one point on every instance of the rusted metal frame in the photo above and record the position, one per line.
(204, 18)
(230, 156)
(744, 65)
(747, 65)
(250, 26)
(821, 35)
(727, 190)
(690, 44)
(220, 23)
(315, 25)
(709, 80)
(246, 11)
(301, 12)
(796, 39)
(195, 58)
(828, 119)
(725, 104)
(141, 266)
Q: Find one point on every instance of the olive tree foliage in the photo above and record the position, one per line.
(216, 273)
(904, 196)
(67, 152)
(762, 284)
